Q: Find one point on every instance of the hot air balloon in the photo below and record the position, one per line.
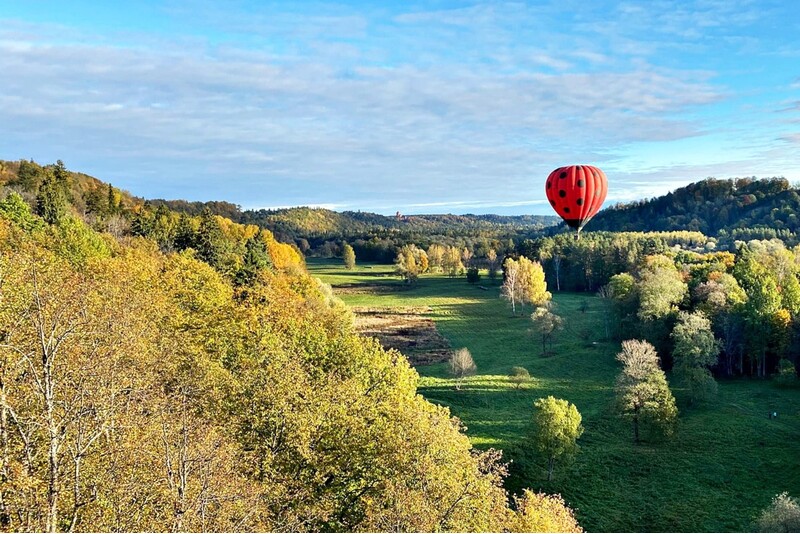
(576, 193)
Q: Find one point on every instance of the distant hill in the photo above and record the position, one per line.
(322, 223)
(740, 208)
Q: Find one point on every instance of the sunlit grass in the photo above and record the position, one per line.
(723, 465)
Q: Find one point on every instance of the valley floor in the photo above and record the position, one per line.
(723, 465)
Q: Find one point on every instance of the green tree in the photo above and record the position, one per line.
(184, 233)
(112, 202)
(695, 351)
(16, 210)
(661, 288)
(51, 204)
(762, 305)
(555, 430)
(642, 392)
(29, 176)
(473, 275)
(256, 258)
(349, 256)
(210, 242)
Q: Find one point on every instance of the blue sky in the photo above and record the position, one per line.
(421, 107)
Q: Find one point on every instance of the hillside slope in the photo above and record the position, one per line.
(741, 208)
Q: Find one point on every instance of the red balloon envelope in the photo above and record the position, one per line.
(576, 193)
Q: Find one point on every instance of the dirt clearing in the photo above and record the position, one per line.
(406, 329)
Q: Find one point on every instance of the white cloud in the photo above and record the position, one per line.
(464, 108)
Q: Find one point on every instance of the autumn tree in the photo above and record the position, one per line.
(782, 515)
(462, 365)
(519, 376)
(451, 262)
(348, 256)
(410, 263)
(643, 395)
(492, 263)
(532, 285)
(538, 512)
(435, 253)
(555, 430)
(695, 351)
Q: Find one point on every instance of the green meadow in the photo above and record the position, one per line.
(723, 465)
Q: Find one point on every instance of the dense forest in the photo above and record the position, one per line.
(734, 209)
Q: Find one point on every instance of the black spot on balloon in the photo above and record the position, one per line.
(580, 183)
(562, 193)
(549, 184)
(579, 202)
(566, 210)
(553, 202)
(563, 174)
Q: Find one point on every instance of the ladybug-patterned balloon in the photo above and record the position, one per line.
(576, 193)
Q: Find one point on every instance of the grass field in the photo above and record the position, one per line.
(723, 465)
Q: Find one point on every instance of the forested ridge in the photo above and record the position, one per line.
(199, 379)
(733, 209)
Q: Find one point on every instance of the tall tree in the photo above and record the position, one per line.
(348, 256)
(511, 288)
(661, 288)
(532, 285)
(51, 204)
(643, 395)
(210, 242)
(546, 324)
(256, 258)
(462, 365)
(695, 351)
(555, 430)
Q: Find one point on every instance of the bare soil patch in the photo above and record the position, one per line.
(361, 288)
(406, 329)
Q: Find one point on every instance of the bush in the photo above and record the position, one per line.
(473, 276)
(519, 375)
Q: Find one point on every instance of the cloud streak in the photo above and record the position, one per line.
(334, 115)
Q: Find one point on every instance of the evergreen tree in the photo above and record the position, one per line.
(184, 233)
(256, 257)
(210, 242)
(51, 204)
